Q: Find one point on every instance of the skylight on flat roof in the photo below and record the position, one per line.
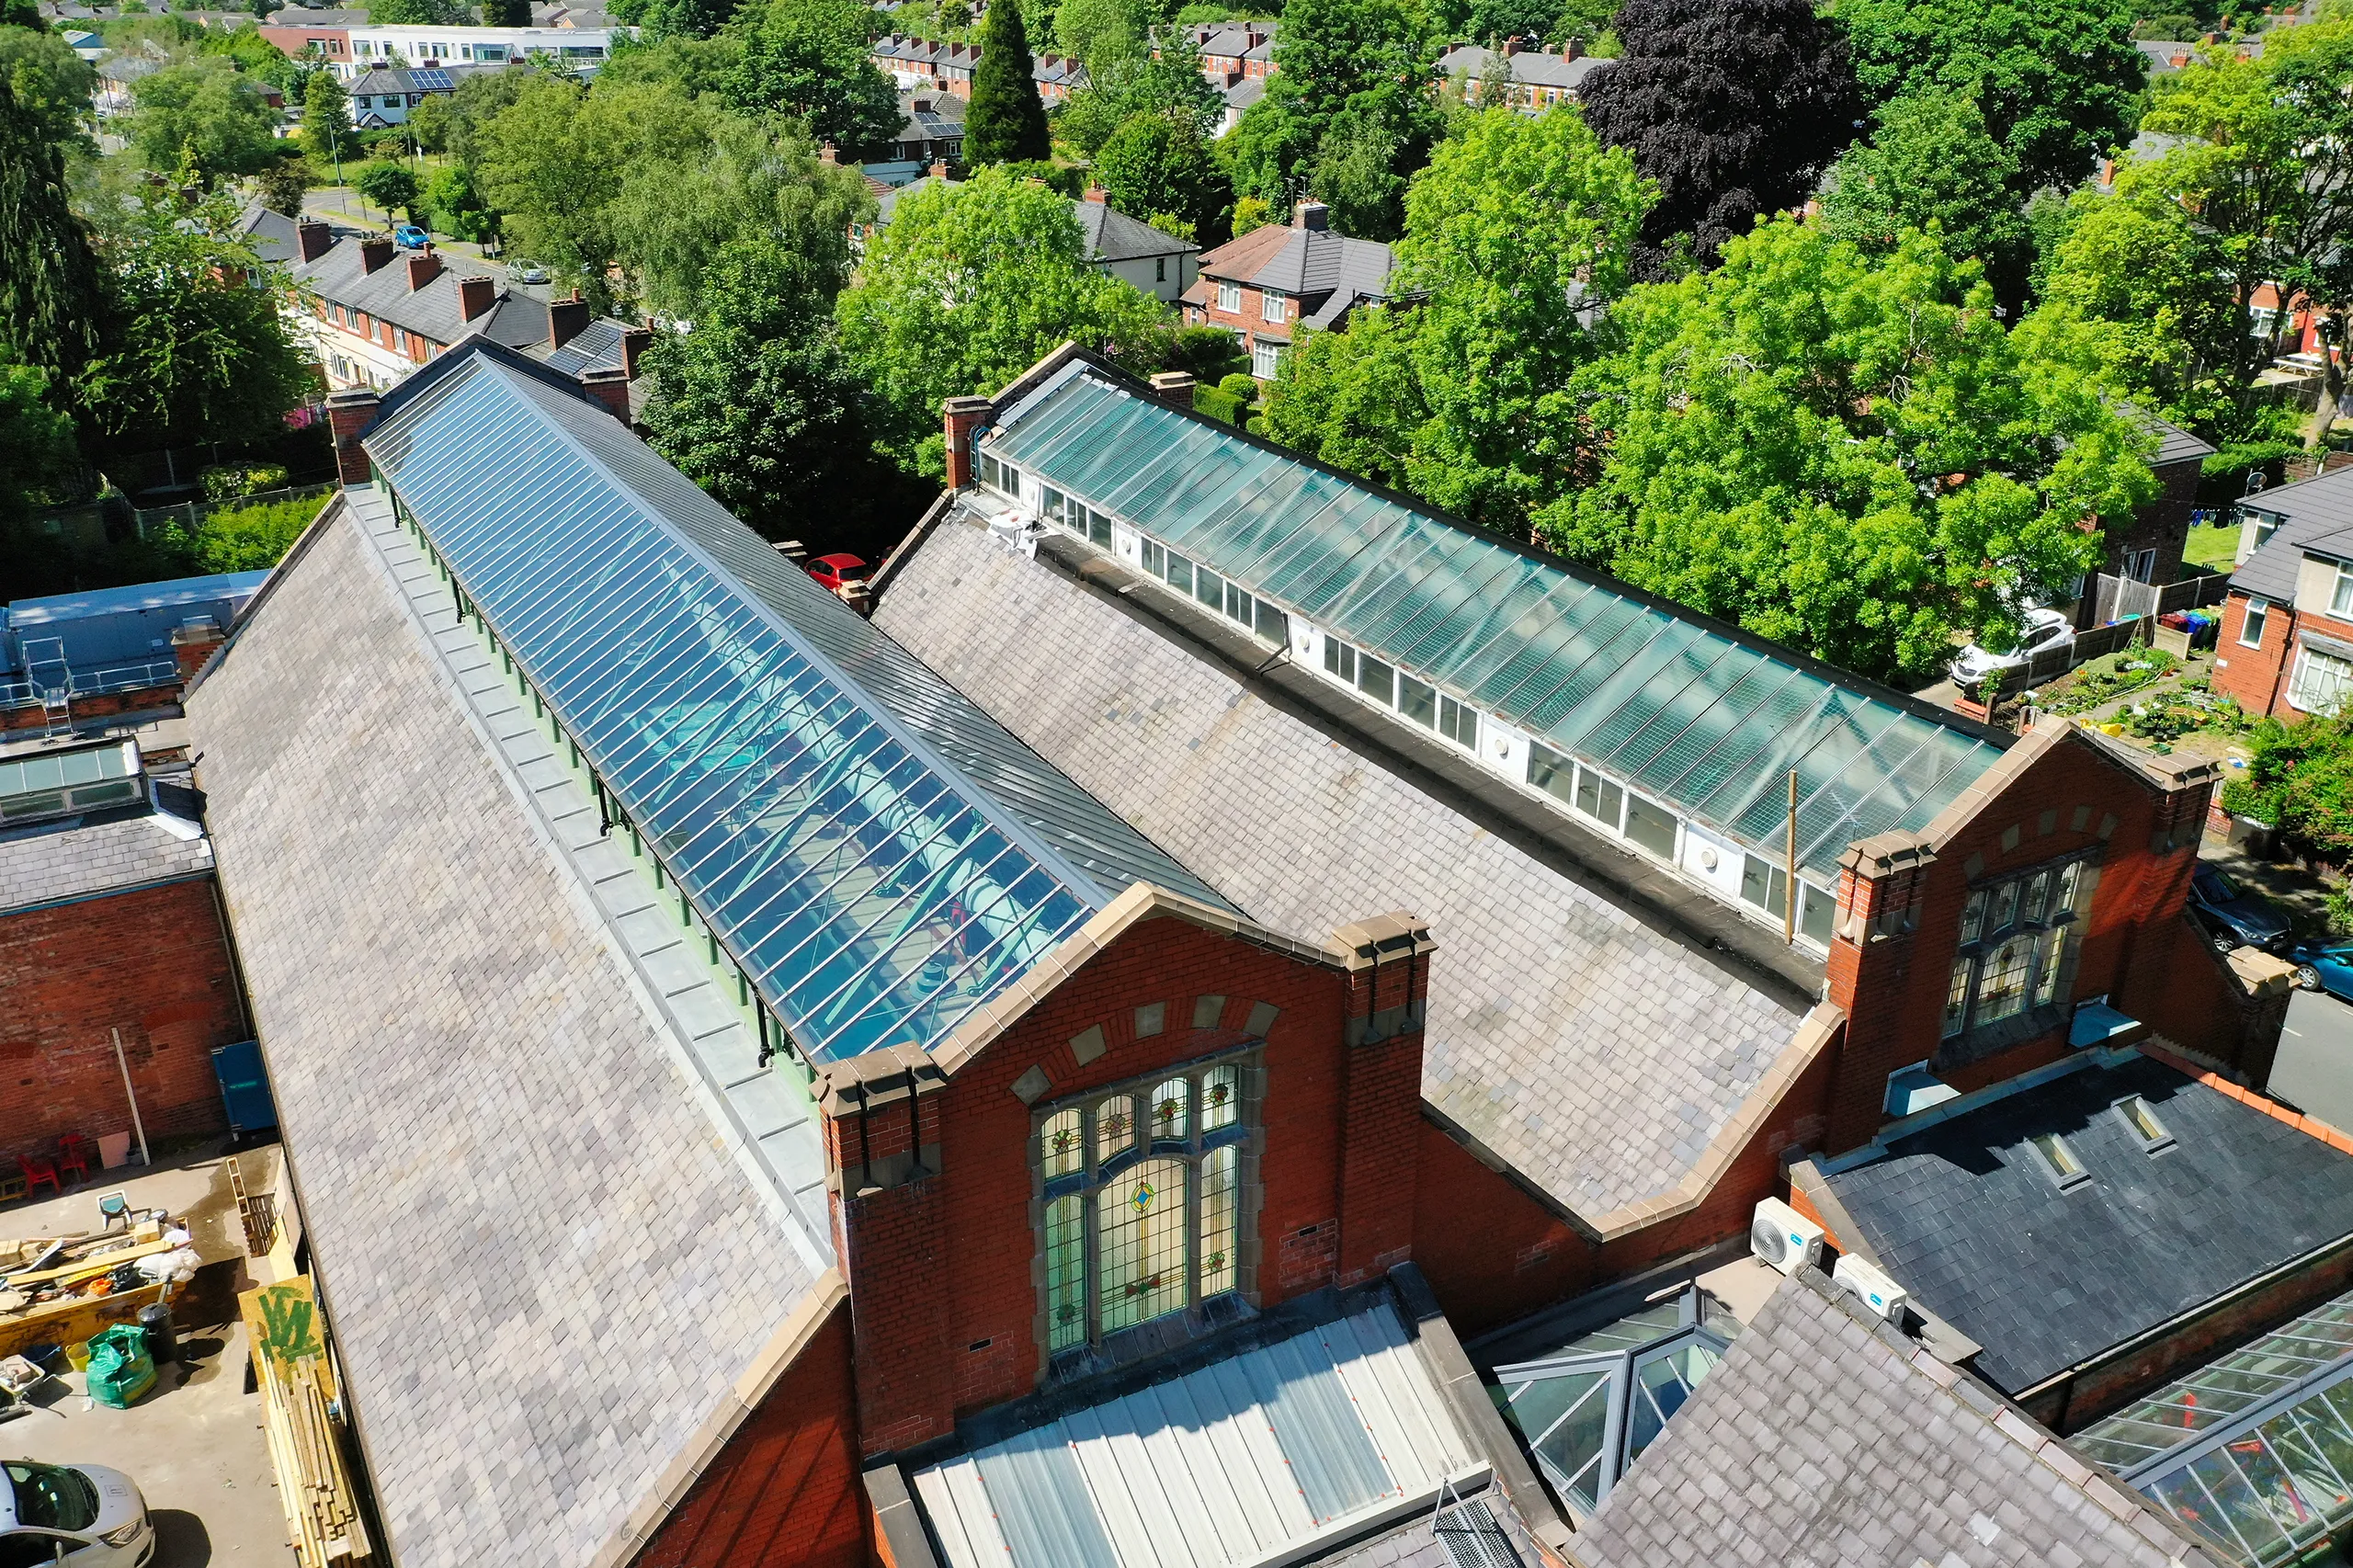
(58, 784)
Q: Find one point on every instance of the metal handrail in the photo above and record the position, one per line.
(146, 674)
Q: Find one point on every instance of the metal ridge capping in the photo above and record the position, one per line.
(871, 891)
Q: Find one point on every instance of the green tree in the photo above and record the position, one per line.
(280, 186)
(36, 442)
(49, 298)
(970, 286)
(431, 122)
(456, 208)
(1159, 166)
(326, 117)
(416, 14)
(1168, 84)
(1518, 232)
(1933, 162)
(758, 405)
(252, 54)
(2058, 80)
(2300, 779)
(1005, 121)
(249, 539)
(507, 13)
(51, 83)
(1848, 454)
(193, 352)
(1733, 107)
(809, 58)
(389, 185)
(1365, 58)
(478, 100)
(1102, 32)
(205, 112)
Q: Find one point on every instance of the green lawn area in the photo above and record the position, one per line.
(2210, 549)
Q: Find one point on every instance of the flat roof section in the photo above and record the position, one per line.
(879, 857)
(2048, 1224)
(1708, 719)
(25, 614)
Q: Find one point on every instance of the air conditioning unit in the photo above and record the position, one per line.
(1871, 1285)
(1783, 1237)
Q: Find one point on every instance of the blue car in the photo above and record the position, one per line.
(408, 236)
(2324, 966)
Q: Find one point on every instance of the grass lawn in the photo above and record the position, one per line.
(2210, 549)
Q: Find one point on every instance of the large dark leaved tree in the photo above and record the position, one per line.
(1733, 107)
(1006, 120)
(49, 296)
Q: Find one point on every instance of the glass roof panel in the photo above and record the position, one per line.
(879, 855)
(1526, 638)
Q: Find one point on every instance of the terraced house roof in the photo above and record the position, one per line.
(877, 855)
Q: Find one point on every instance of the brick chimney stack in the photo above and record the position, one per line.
(609, 385)
(312, 240)
(1096, 195)
(937, 171)
(964, 416)
(423, 268)
(476, 296)
(1173, 388)
(1511, 45)
(374, 254)
(1389, 988)
(1312, 216)
(1572, 49)
(349, 413)
(633, 343)
(566, 319)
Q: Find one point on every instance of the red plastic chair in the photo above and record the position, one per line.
(37, 1172)
(70, 1155)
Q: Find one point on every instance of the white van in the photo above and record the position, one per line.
(80, 1516)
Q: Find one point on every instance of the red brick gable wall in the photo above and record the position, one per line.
(943, 1271)
(150, 962)
(784, 1491)
(2073, 797)
(2259, 676)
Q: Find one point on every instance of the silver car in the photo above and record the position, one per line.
(80, 1516)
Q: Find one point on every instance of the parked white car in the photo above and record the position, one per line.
(2044, 630)
(80, 1516)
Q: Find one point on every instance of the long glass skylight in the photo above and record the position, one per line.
(871, 890)
(1704, 719)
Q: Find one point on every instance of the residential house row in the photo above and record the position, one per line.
(948, 67)
(353, 49)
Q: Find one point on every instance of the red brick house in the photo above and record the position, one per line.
(2287, 637)
(1273, 283)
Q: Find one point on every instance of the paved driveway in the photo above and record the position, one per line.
(2314, 1070)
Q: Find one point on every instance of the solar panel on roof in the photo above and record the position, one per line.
(430, 81)
(878, 866)
(1709, 722)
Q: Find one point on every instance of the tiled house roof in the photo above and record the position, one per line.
(104, 852)
(1826, 1437)
(2316, 515)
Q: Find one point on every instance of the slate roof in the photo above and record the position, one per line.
(1596, 1053)
(2318, 515)
(1825, 1436)
(1112, 235)
(2174, 445)
(339, 276)
(101, 852)
(272, 234)
(1481, 1531)
(1964, 1214)
(508, 1167)
(1306, 262)
(932, 115)
(1530, 68)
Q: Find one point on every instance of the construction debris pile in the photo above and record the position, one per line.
(47, 1271)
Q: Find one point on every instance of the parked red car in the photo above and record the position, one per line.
(838, 572)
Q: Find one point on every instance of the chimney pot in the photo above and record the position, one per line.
(312, 240)
(423, 268)
(1572, 49)
(566, 318)
(374, 254)
(1311, 215)
(475, 296)
(1511, 46)
(829, 154)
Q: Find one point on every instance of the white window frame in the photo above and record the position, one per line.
(1271, 305)
(2340, 597)
(1229, 297)
(2252, 624)
(1266, 359)
(2322, 691)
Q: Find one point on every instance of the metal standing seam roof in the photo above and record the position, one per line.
(880, 856)
(180, 591)
(1699, 717)
(2253, 1452)
(1242, 1460)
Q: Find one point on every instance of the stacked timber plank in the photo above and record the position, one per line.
(290, 1363)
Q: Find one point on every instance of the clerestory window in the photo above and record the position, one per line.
(2015, 938)
(1142, 1187)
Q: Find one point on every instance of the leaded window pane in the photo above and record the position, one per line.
(1115, 1127)
(2003, 991)
(1220, 1098)
(2006, 907)
(1957, 998)
(1220, 1219)
(1066, 1272)
(2038, 897)
(1972, 917)
(2046, 982)
(1141, 1247)
(1171, 1110)
(2071, 878)
(1061, 1147)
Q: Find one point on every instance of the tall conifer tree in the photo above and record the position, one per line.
(49, 296)
(1006, 120)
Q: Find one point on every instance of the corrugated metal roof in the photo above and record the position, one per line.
(1708, 719)
(879, 856)
(1231, 1464)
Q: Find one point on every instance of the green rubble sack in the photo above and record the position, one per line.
(120, 1369)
